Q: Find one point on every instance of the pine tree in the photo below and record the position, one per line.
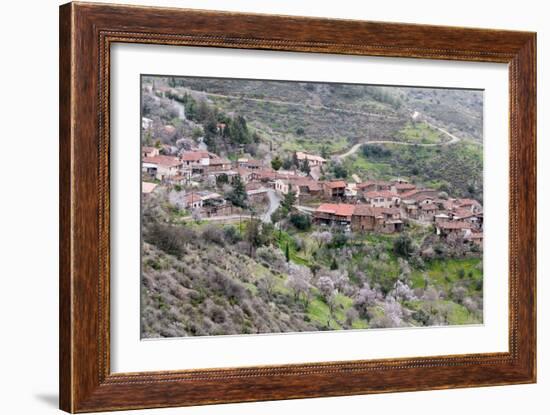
(295, 160)
(287, 253)
(290, 198)
(276, 163)
(237, 196)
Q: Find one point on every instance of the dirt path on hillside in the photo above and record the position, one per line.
(298, 104)
(353, 149)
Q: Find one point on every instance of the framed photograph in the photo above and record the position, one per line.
(260, 207)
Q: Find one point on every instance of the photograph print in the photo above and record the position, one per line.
(285, 207)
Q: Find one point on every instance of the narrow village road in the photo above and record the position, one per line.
(274, 202)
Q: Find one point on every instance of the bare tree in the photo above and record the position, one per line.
(402, 292)
(299, 280)
(366, 297)
(196, 215)
(321, 238)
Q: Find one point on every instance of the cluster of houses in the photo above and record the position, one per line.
(373, 205)
(382, 206)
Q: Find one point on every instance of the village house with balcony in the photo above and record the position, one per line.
(334, 214)
(382, 198)
(193, 201)
(334, 189)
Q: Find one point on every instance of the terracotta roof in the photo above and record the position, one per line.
(429, 207)
(366, 210)
(335, 184)
(467, 202)
(419, 194)
(148, 149)
(381, 193)
(194, 155)
(310, 184)
(340, 209)
(192, 198)
(252, 162)
(404, 186)
(422, 197)
(147, 187)
(266, 173)
(391, 211)
(463, 213)
(168, 161)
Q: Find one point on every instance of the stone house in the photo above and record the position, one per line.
(334, 189)
(382, 198)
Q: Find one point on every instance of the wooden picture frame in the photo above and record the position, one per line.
(86, 33)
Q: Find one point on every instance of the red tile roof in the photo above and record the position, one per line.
(335, 184)
(366, 210)
(340, 209)
(266, 173)
(467, 202)
(391, 211)
(309, 183)
(192, 198)
(405, 186)
(168, 161)
(194, 155)
(419, 194)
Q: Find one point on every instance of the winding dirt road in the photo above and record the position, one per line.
(353, 149)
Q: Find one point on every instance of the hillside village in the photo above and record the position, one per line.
(258, 217)
(370, 206)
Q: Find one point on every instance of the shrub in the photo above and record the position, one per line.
(300, 221)
(213, 234)
(339, 239)
(231, 235)
(170, 239)
(403, 246)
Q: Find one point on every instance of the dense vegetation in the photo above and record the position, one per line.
(456, 169)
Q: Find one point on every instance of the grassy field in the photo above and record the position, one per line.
(420, 133)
